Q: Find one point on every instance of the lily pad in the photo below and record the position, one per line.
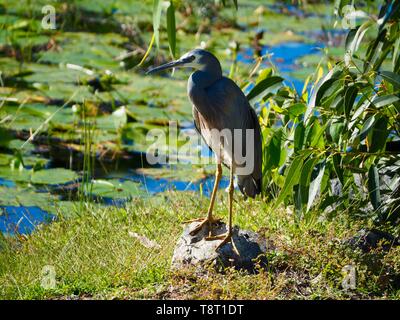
(54, 176)
(16, 175)
(115, 189)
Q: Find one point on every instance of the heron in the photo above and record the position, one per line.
(219, 104)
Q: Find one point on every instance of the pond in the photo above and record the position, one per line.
(51, 79)
(285, 57)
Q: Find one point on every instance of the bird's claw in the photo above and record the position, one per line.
(203, 221)
(226, 237)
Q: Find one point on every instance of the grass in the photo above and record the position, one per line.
(94, 256)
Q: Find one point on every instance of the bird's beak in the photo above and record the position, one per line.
(169, 65)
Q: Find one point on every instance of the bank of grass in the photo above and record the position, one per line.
(95, 256)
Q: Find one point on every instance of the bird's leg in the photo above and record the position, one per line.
(228, 236)
(210, 219)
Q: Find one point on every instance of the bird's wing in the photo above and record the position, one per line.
(197, 125)
(196, 119)
(230, 109)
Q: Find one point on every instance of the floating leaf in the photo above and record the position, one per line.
(53, 176)
(115, 189)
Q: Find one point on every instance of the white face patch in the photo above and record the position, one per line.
(193, 64)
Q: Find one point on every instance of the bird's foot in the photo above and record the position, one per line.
(203, 221)
(226, 237)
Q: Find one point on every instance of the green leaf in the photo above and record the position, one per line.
(374, 51)
(359, 111)
(305, 179)
(115, 189)
(335, 130)
(353, 40)
(329, 92)
(392, 77)
(349, 98)
(157, 7)
(296, 109)
(379, 135)
(273, 151)
(263, 87)
(383, 101)
(292, 178)
(350, 38)
(148, 50)
(316, 138)
(317, 94)
(367, 127)
(53, 176)
(315, 185)
(299, 134)
(171, 28)
(373, 187)
(15, 174)
(236, 4)
(336, 158)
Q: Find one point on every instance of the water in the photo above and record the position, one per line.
(22, 220)
(6, 183)
(284, 56)
(157, 185)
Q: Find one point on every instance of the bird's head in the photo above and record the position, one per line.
(198, 59)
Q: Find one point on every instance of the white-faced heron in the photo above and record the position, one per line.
(219, 105)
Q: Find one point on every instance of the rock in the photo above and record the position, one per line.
(367, 240)
(198, 252)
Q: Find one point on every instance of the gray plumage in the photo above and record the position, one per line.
(218, 103)
(219, 108)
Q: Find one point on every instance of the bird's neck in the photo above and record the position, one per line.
(202, 79)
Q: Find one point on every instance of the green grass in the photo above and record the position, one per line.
(94, 256)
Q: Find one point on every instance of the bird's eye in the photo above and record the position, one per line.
(189, 59)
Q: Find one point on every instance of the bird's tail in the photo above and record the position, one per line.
(249, 186)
